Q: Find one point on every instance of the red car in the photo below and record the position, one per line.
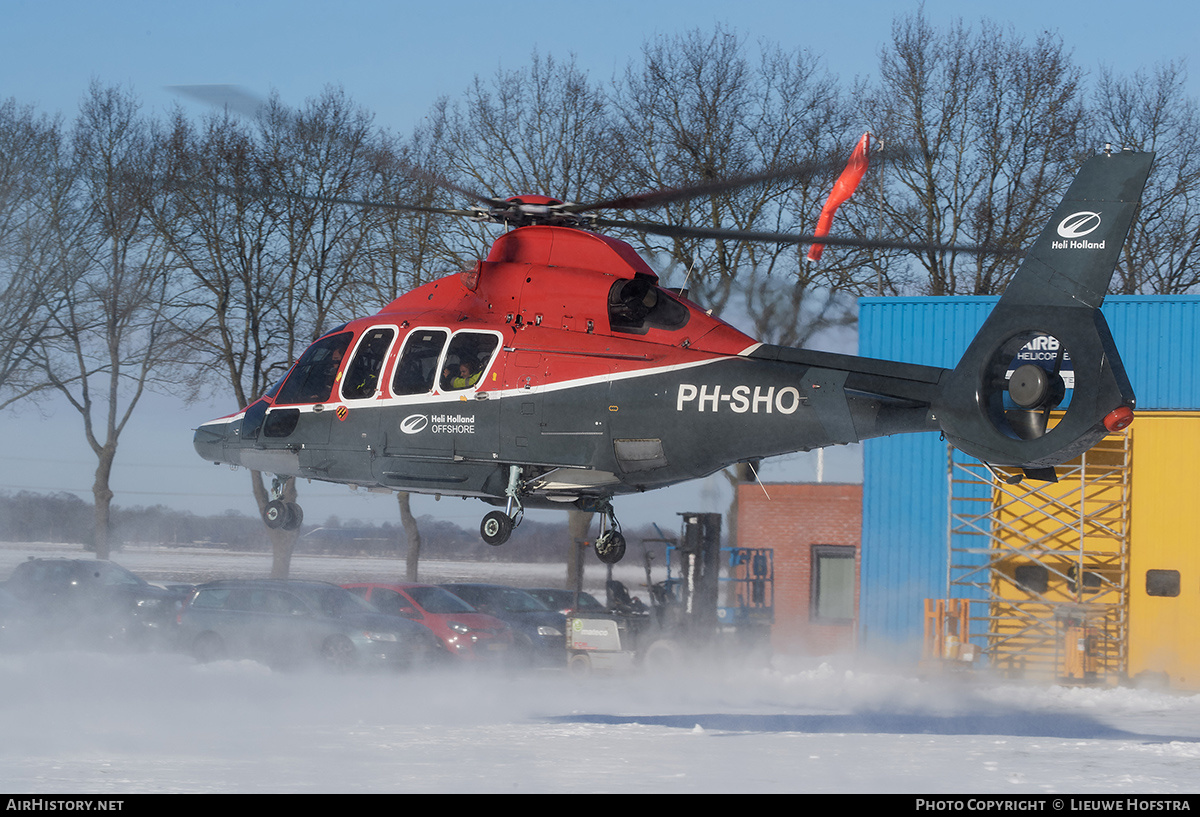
(465, 632)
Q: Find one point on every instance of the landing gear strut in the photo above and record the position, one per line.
(280, 513)
(497, 526)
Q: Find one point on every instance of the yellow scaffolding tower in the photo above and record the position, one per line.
(1045, 565)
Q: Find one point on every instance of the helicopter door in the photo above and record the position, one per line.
(521, 413)
(359, 384)
(408, 433)
(473, 420)
(361, 380)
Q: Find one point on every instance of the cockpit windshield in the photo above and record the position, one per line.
(315, 373)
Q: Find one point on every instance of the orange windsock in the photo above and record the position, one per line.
(843, 189)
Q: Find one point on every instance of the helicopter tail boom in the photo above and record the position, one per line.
(1000, 405)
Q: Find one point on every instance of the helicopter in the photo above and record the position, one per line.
(559, 372)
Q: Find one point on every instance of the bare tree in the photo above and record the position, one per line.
(406, 248)
(698, 107)
(110, 331)
(35, 181)
(992, 129)
(543, 129)
(272, 258)
(1152, 111)
(412, 535)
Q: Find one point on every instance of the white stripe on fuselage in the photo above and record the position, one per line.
(471, 396)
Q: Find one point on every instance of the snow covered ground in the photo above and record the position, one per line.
(111, 724)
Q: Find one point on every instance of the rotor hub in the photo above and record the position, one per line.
(1029, 385)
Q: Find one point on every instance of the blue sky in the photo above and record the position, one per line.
(396, 58)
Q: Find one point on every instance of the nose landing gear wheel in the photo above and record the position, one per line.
(496, 527)
(280, 514)
(276, 514)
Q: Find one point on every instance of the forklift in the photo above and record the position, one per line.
(716, 601)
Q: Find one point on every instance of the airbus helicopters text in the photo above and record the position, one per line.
(558, 370)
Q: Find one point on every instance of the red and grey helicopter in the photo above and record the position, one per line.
(558, 370)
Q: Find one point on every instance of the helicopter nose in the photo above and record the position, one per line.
(209, 442)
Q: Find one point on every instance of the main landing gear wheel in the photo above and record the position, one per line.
(610, 547)
(610, 544)
(496, 527)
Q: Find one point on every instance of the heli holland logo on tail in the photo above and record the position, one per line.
(1076, 226)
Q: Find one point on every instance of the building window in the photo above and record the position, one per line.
(832, 583)
(1162, 583)
(1032, 578)
(1091, 581)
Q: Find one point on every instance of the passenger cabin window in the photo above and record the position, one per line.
(362, 375)
(467, 359)
(315, 373)
(417, 370)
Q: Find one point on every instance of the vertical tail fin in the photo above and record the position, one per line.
(996, 406)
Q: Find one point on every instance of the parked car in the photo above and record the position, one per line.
(539, 633)
(85, 602)
(294, 623)
(465, 633)
(564, 601)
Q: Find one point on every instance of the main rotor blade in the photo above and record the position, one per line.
(420, 173)
(656, 198)
(239, 100)
(233, 98)
(679, 231)
(262, 193)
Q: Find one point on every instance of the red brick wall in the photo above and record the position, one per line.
(791, 521)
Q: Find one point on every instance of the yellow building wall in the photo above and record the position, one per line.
(1164, 631)
(1081, 518)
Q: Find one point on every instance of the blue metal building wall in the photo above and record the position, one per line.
(905, 483)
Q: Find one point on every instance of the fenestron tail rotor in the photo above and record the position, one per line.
(1025, 387)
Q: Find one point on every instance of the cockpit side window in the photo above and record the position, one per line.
(362, 375)
(416, 371)
(637, 304)
(315, 373)
(466, 359)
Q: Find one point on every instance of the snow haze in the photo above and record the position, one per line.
(119, 724)
(112, 724)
